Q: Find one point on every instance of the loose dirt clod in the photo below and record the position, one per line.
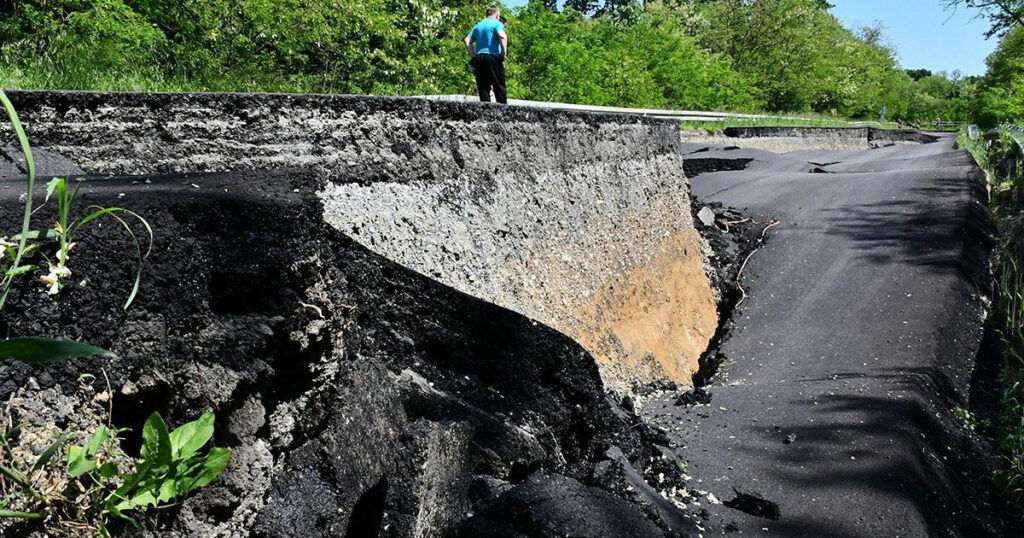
(754, 505)
(697, 396)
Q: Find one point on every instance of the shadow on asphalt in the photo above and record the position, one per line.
(905, 231)
(899, 447)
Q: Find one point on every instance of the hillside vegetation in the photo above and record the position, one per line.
(743, 55)
(1000, 93)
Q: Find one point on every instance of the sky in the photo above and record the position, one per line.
(925, 34)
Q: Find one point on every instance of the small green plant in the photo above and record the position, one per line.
(65, 230)
(100, 482)
(13, 251)
(967, 419)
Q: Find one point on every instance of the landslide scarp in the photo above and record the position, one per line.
(359, 397)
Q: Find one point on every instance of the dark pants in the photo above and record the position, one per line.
(490, 74)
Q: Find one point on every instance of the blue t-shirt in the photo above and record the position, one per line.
(486, 36)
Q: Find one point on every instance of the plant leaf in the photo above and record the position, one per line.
(30, 169)
(47, 454)
(213, 465)
(50, 186)
(81, 466)
(101, 211)
(21, 269)
(108, 470)
(142, 499)
(112, 213)
(79, 462)
(73, 453)
(35, 349)
(115, 510)
(20, 515)
(168, 490)
(156, 442)
(36, 234)
(96, 441)
(188, 438)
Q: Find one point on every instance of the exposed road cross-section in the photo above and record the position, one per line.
(832, 412)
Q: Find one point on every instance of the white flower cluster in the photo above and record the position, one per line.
(54, 280)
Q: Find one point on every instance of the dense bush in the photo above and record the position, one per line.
(605, 61)
(365, 46)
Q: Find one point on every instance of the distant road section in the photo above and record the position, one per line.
(833, 412)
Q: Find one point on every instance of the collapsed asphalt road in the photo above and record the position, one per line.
(831, 414)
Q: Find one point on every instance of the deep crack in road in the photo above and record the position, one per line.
(859, 333)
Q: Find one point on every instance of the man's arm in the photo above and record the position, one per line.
(504, 42)
(469, 46)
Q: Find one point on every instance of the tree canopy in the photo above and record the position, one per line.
(1003, 14)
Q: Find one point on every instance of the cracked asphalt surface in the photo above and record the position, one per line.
(858, 336)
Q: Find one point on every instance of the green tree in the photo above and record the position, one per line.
(1000, 97)
(1003, 14)
(802, 57)
(569, 57)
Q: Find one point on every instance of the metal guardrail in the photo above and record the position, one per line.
(679, 115)
(1016, 133)
(1011, 163)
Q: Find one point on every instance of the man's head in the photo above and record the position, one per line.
(493, 12)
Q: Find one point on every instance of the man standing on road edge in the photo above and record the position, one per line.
(487, 57)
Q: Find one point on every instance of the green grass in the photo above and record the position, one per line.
(977, 150)
(1009, 312)
(804, 121)
(49, 73)
(1008, 308)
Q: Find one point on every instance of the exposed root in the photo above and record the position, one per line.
(760, 243)
(724, 225)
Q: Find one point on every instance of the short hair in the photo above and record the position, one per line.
(492, 10)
